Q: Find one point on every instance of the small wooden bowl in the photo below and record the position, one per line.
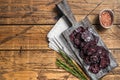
(106, 18)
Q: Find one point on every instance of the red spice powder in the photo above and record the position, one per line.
(106, 19)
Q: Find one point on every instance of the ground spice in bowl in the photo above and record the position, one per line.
(106, 18)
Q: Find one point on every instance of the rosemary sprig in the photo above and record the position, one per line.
(70, 66)
(60, 63)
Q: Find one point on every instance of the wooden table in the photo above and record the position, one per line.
(24, 24)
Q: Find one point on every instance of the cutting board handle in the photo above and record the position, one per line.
(65, 9)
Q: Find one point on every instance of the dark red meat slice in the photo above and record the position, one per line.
(94, 68)
(96, 57)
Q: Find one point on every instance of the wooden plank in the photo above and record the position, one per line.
(94, 19)
(27, 60)
(30, 65)
(34, 60)
(46, 74)
(116, 55)
(110, 36)
(43, 74)
(44, 11)
(39, 65)
(24, 37)
(111, 77)
(35, 37)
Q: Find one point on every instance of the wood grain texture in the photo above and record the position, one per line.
(24, 51)
(24, 37)
(45, 12)
(35, 37)
(33, 65)
(27, 60)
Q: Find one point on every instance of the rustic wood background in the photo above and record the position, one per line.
(24, 24)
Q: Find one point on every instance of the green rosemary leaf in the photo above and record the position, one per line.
(66, 67)
(70, 66)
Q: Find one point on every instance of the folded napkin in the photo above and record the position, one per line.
(57, 41)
